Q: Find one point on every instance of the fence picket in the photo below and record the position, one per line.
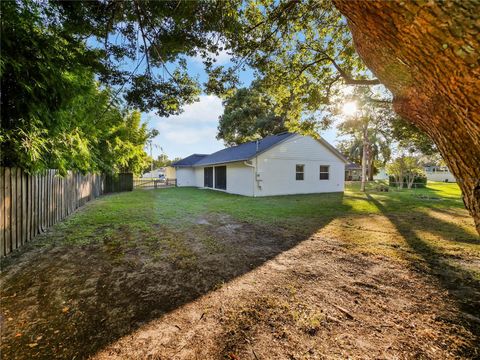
(24, 208)
(43, 202)
(2, 212)
(30, 204)
(13, 211)
(18, 204)
(8, 210)
(28, 180)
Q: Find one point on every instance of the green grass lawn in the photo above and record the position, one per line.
(435, 215)
(126, 258)
(432, 220)
(179, 207)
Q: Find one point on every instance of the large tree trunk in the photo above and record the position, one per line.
(427, 54)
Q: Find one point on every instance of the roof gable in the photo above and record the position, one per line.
(333, 150)
(243, 152)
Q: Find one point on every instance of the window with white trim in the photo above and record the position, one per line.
(299, 171)
(324, 172)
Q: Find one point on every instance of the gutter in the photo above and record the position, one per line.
(254, 175)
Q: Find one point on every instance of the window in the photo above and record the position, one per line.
(221, 177)
(208, 177)
(299, 171)
(324, 172)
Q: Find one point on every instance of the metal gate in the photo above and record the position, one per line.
(153, 183)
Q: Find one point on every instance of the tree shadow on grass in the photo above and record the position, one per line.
(64, 301)
(461, 284)
(445, 229)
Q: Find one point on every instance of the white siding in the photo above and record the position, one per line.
(440, 176)
(199, 177)
(240, 179)
(170, 172)
(186, 177)
(276, 168)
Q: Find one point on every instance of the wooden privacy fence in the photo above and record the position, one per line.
(118, 183)
(30, 204)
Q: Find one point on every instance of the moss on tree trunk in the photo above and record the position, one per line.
(427, 54)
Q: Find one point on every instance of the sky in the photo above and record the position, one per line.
(195, 129)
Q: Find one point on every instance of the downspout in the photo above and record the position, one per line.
(254, 174)
(254, 167)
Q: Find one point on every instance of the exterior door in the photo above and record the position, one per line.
(221, 177)
(208, 177)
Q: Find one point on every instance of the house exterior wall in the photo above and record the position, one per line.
(440, 176)
(186, 177)
(240, 179)
(274, 171)
(170, 172)
(276, 168)
(198, 176)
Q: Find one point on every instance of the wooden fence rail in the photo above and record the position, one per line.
(30, 204)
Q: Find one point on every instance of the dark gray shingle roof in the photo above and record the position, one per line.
(352, 166)
(244, 151)
(189, 160)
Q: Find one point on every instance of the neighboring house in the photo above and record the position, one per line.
(280, 164)
(170, 172)
(353, 172)
(156, 173)
(439, 173)
(381, 175)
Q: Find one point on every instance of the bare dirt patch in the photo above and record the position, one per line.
(314, 301)
(228, 289)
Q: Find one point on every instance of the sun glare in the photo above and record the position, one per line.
(349, 108)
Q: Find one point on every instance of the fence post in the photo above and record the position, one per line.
(8, 209)
(2, 211)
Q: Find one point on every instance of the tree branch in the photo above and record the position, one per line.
(380, 101)
(144, 38)
(306, 66)
(277, 12)
(347, 78)
(350, 81)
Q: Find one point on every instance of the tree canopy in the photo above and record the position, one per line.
(54, 114)
(301, 51)
(248, 115)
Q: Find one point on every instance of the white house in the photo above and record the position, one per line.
(439, 173)
(280, 164)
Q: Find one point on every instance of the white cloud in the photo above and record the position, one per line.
(222, 58)
(206, 110)
(193, 131)
(191, 136)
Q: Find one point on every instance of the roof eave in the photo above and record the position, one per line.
(222, 162)
(251, 157)
(333, 150)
